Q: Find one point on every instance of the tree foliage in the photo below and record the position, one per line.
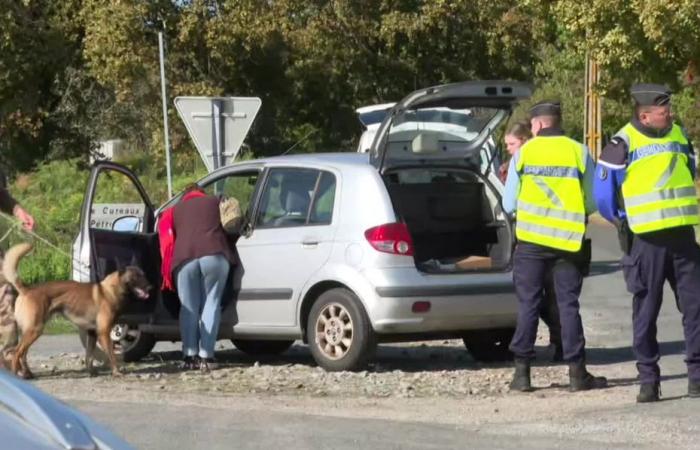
(75, 72)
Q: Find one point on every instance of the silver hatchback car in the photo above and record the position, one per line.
(405, 242)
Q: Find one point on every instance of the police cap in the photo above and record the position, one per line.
(647, 94)
(546, 108)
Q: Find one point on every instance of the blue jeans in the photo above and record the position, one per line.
(200, 285)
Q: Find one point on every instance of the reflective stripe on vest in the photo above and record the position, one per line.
(550, 210)
(658, 190)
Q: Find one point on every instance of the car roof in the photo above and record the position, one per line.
(372, 108)
(345, 159)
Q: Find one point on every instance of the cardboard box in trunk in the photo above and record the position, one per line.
(474, 262)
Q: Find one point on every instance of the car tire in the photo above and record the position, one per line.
(339, 332)
(489, 345)
(261, 347)
(135, 346)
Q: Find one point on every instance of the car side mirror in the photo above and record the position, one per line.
(247, 229)
(127, 223)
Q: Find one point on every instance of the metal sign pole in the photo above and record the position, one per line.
(165, 115)
(592, 126)
(218, 134)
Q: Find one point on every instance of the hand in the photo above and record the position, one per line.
(24, 217)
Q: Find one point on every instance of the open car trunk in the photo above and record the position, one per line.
(454, 217)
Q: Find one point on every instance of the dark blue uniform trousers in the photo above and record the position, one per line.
(531, 264)
(655, 257)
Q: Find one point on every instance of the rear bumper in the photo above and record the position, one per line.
(457, 303)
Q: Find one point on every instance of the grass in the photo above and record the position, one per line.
(60, 325)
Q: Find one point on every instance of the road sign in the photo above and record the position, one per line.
(218, 125)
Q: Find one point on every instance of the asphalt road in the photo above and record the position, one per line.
(607, 419)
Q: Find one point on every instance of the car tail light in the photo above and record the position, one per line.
(391, 238)
(420, 307)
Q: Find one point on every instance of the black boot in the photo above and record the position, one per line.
(649, 392)
(693, 389)
(558, 355)
(581, 380)
(521, 377)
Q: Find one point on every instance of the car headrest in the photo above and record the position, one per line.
(296, 202)
(425, 143)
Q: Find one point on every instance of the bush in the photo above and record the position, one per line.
(53, 194)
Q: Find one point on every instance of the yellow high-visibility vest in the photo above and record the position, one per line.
(551, 209)
(658, 189)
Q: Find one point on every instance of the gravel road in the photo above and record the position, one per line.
(418, 395)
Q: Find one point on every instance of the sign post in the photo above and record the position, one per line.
(218, 125)
(165, 115)
(592, 126)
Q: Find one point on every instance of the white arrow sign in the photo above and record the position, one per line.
(218, 125)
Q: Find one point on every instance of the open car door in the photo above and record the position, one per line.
(117, 230)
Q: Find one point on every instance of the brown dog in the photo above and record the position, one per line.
(87, 305)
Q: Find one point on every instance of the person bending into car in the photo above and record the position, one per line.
(515, 137)
(197, 256)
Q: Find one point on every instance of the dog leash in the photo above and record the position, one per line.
(17, 226)
(9, 231)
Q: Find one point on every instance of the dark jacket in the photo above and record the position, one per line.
(198, 231)
(7, 203)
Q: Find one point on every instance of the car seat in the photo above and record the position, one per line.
(294, 198)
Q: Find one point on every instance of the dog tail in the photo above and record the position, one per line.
(10, 263)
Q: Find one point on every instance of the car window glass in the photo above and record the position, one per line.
(117, 204)
(286, 198)
(239, 186)
(322, 209)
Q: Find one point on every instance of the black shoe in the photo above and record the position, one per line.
(208, 364)
(581, 380)
(693, 389)
(649, 392)
(521, 377)
(189, 363)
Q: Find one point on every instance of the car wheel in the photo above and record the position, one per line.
(339, 332)
(489, 345)
(261, 347)
(129, 345)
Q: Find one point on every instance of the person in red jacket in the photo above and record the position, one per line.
(197, 256)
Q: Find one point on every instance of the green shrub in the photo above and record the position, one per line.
(53, 193)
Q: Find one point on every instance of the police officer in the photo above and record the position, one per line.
(650, 163)
(549, 187)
